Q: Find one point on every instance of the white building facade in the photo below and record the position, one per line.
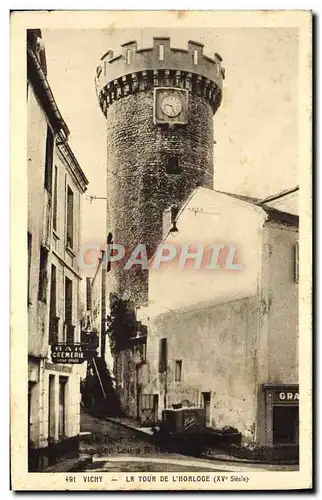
(224, 337)
(56, 183)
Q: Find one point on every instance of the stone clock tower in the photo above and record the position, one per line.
(159, 104)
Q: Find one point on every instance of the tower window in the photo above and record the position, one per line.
(173, 166)
(195, 56)
(128, 56)
(161, 52)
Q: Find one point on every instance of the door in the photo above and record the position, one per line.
(155, 408)
(62, 407)
(206, 403)
(51, 409)
(285, 425)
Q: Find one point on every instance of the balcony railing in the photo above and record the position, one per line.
(53, 329)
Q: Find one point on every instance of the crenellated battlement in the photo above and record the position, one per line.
(162, 65)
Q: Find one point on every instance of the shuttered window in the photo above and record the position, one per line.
(49, 160)
(163, 355)
(70, 218)
(147, 401)
(43, 275)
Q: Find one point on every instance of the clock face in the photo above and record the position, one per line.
(171, 105)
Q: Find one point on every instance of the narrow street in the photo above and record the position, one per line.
(114, 448)
(117, 449)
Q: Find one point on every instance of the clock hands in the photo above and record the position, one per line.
(170, 106)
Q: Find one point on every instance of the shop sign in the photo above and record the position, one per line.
(286, 396)
(71, 353)
(283, 394)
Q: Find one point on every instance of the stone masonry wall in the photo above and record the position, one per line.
(139, 188)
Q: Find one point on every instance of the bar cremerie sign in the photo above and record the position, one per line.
(72, 353)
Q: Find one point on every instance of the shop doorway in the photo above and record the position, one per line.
(62, 407)
(206, 403)
(285, 425)
(51, 409)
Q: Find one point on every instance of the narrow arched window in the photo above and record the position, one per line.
(195, 56)
(128, 56)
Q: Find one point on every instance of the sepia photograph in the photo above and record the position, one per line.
(161, 172)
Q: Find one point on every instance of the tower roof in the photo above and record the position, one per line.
(122, 73)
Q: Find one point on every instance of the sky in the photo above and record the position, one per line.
(255, 128)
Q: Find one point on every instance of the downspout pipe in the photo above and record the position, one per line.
(43, 85)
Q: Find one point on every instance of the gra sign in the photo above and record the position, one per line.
(289, 396)
(286, 396)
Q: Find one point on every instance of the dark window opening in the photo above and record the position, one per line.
(69, 328)
(70, 217)
(285, 425)
(43, 275)
(53, 320)
(49, 160)
(55, 200)
(53, 291)
(68, 301)
(173, 166)
(163, 355)
(206, 403)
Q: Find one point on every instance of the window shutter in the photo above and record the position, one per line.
(163, 355)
